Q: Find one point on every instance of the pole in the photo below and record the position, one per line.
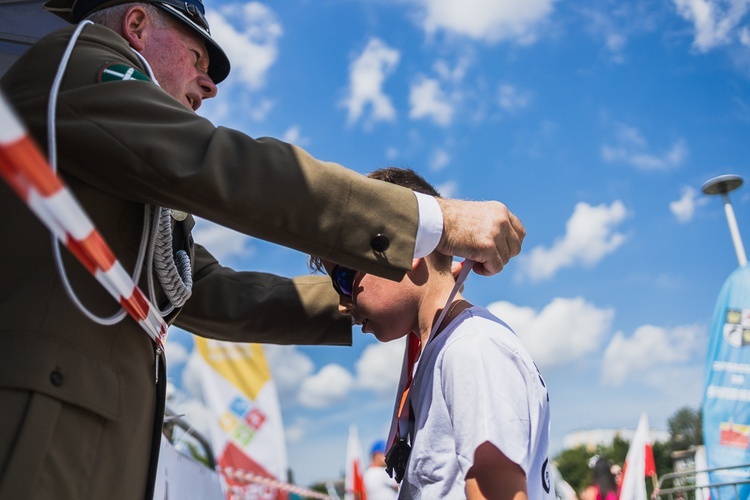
(722, 185)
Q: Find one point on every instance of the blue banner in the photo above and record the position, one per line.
(726, 399)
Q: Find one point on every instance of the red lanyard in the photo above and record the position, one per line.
(402, 411)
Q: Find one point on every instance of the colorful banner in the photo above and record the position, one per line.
(726, 399)
(246, 428)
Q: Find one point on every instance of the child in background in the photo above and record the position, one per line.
(479, 405)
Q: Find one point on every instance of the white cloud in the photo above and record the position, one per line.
(367, 73)
(511, 99)
(439, 160)
(488, 20)
(631, 148)
(684, 208)
(745, 36)
(565, 330)
(448, 189)
(590, 236)
(293, 135)
(249, 35)
(329, 386)
(289, 368)
(453, 74)
(650, 351)
(296, 431)
(177, 353)
(379, 367)
(715, 21)
(222, 242)
(427, 100)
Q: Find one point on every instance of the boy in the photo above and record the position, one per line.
(479, 405)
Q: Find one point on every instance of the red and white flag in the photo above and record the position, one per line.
(354, 480)
(639, 463)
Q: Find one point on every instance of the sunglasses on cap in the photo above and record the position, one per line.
(342, 279)
(192, 9)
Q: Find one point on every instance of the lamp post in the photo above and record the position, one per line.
(722, 185)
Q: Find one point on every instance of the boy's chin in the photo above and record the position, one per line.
(386, 336)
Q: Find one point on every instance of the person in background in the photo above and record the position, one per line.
(602, 482)
(378, 484)
(616, 471)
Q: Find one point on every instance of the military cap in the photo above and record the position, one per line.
(190, 12)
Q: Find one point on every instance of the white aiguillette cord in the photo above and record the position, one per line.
(400, 421)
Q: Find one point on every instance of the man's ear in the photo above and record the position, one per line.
(415, 263)
(134, 24)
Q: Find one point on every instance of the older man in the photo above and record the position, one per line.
(81, 388)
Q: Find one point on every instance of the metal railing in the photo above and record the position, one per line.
(683, 485)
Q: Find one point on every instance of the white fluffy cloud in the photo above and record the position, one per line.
(289, 368)
(439, 160)
(488, 20)
(650, 351)
(685, 207)
(511, 98)
(563, 331)
(367, 74)
(223, 243)
(632, 148)
(293, 135)
(249, 35)
(379, 367)
(427, 100)
(177, 353)
(329, 386)
(716, 22)
(590, 235)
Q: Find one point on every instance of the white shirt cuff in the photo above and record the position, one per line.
(430, 227)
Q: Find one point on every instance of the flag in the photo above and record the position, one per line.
(639, 463)
(726, 398)
(354, 481)
(246, 428)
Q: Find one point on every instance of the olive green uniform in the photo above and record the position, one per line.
(81, 410)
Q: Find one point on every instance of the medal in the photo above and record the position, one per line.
(178, 215)
(397, 458)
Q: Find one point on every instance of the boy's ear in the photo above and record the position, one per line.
(415, 263)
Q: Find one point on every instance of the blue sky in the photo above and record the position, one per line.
(595, 122)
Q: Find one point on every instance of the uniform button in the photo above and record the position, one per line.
(56, 378)
(380, 243)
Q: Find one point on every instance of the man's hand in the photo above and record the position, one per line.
(483, 231)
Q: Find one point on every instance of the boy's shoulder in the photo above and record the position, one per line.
(477, 327)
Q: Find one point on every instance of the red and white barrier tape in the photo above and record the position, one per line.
(247, 477)
(26, 170)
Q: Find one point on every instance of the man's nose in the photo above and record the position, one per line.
(208, 87)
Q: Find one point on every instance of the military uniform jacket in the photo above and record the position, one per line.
(81, 409)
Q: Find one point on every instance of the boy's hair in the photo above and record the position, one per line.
(407, 178)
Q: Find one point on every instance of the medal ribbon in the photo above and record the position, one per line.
(401, 413)
(26, 171)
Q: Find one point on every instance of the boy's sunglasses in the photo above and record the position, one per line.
(342, 279)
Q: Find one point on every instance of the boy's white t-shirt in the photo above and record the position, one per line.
(475, 382)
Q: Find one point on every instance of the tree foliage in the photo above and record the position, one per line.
(685, 431)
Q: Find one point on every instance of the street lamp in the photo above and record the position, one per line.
(722, 185)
